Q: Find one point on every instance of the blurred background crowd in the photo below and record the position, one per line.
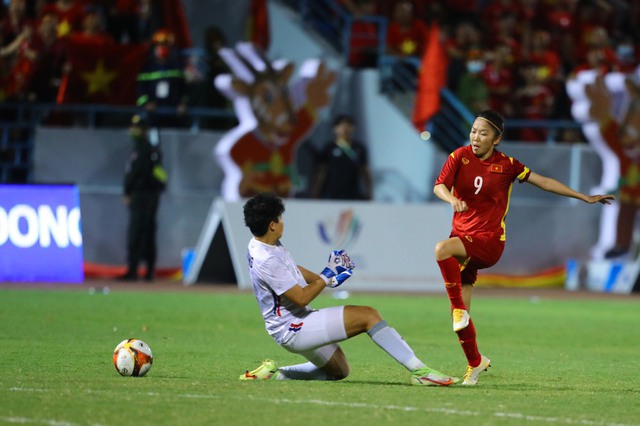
(511, 56)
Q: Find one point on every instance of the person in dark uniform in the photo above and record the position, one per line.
(342, 171)
(161, 83)
(144, 180)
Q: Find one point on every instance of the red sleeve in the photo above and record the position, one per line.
(448, 173)
(521, 171)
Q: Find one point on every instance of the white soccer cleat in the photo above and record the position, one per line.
(460, 319)
(473, 373)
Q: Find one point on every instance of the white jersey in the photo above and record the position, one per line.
(273, 271)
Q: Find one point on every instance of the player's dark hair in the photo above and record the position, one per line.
(260, 211)
(495, 119)
(339, 119)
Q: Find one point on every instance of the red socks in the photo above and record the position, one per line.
(450, 269)
(467, 339)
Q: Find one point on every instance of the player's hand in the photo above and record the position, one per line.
(459, 205)
(339, 279)
(603, 199)
(339, 261)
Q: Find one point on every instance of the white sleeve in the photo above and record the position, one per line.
(277, 276)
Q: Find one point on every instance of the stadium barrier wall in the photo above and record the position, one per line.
(543, 230)
(391, 244)
(40, 234)
(391, 250)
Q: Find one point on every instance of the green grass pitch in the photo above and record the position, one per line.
(555, 362)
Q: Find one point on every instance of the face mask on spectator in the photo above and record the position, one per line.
(475, 67)
(162, 52)
(625, 52)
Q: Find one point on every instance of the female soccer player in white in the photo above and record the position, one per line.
(284, 290)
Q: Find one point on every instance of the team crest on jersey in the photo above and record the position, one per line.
(469, 238)
(295, 327)
(465, 161)
(496, 168)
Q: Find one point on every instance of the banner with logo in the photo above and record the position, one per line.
(392, 245)
(40, 234)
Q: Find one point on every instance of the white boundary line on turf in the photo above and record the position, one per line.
(31, 421)
(452, 411)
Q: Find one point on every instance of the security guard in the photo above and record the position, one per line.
(144, 180)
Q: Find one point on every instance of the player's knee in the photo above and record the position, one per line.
(341, 372)
(442, 251)
(372, 315)
(338, 368)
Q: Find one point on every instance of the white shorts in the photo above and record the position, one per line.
(318, 336)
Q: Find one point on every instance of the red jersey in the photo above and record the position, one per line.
(486, 188)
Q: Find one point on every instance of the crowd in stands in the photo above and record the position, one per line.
(509, 55)
(35, 35)
(38, 39)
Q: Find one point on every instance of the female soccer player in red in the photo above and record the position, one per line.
(477, 180)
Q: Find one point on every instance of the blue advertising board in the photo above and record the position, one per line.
(40, 234)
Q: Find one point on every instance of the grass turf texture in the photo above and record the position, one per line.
(554, 362)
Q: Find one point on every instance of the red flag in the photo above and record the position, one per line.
(102, 74)
(175, 20)
(258, 25)
(432, 78)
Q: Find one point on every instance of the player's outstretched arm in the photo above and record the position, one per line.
(552, 185)
(339, 269)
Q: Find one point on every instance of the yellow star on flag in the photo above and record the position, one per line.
(64, 29)
(408, 47)
(99, 79)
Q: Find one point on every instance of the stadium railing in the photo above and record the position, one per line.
(18, 122)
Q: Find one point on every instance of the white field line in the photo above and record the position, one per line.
(287, 401)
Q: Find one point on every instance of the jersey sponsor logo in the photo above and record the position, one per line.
(465, 161)
(468, 237)
(496, 168)
(295, 327)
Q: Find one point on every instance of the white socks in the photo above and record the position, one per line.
(393, 344)
(306, 371)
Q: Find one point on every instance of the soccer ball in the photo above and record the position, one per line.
(132, 357)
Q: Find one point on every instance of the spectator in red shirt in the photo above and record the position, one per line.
(499, 79)
(50, 52)
(533, 101)
(69, 13)
(466, 38)
(545, 58)
(92, 29)
(406, 40)
(406, 34)
(495, 10)
(19, 62)
(364, 43)
(124, 22)
(15, 21)
(599, 54)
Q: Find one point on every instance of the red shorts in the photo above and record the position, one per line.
(483, 251)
